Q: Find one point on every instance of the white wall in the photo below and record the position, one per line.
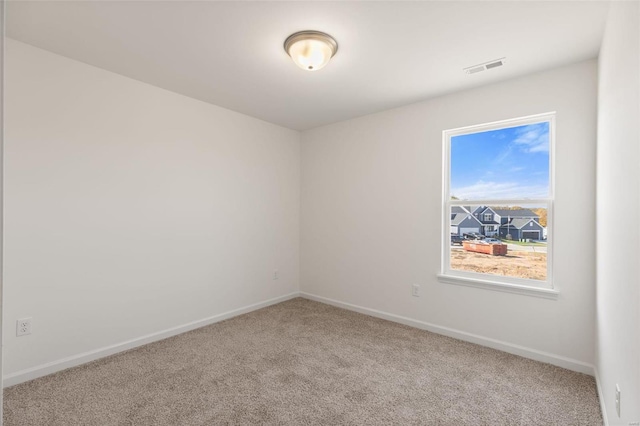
(371, 214)
(131, 209)
(2, 41)
(618, 279)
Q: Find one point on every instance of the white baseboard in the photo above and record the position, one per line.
(75, 360)
(603, 408)
(549, 358)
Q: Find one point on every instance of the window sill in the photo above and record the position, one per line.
(545, 293)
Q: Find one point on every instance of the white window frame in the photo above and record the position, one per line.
(496, 282)
(485, 216)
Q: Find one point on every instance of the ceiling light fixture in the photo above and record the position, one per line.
(310, 50)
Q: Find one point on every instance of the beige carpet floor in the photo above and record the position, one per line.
(303, 363)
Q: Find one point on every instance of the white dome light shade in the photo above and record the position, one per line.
(310, 50)
(310, 54)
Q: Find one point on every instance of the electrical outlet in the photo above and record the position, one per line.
(23, 327)
(275, 274)
(415, 290)
(618, 399)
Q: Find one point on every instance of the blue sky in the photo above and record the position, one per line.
(501, 164)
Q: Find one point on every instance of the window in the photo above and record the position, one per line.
(502, 173)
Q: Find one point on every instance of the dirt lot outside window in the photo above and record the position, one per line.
(518, 264)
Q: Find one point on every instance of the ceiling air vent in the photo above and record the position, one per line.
(475, 70)
(485, 66)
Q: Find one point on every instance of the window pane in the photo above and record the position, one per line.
(510, 163)
(500, 240)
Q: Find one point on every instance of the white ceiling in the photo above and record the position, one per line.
(390, 53)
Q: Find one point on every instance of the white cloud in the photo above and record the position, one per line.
(499, 190)
(503, 155)
(533, 138)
